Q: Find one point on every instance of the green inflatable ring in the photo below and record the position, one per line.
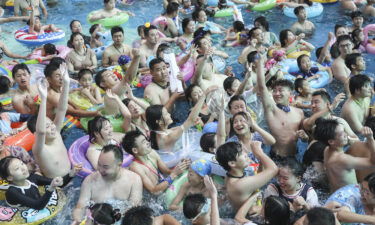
(224, 12)
(264, 5)
(115, 120)
(173, 189)
(110, 22)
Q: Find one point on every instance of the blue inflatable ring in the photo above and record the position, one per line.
(313, 11)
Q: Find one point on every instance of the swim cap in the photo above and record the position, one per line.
(202, 167)
(210, 128)
(123, 59)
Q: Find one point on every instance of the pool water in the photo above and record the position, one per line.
(147, 10)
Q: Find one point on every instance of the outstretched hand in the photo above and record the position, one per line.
(338, 99)
(110, 94)
(64, 72)
(210, 186)
(42, 88)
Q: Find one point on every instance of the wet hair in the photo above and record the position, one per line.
(238, 26)
(276, 211)
(318, 52)
(4, 84)
(228, 152)
(116, 29)
(371, 182)
(20, 66)
(323, 94)
(227, 84)
(262, 21)
(74, 36)
(351, 60)
(155, 61)
(171, 8)
(343, 38)
(357, 82)
(138, 215)
(356, 14)
(126, 101)
(117, 151)
(189, 90)
(251, 32)
(235, 98)
(31, 123)
(293, 165)
(161, 48)
(103, 213)
(128, 141)
(325, 130)
(4, 166)
(57, 61)
(207, 141)
(370, 122)
(154, 113)
(298, 9)
(50, 69)
(314, 153)
(84, 72)
(72, 22)
(338, 26)
(50, 49)
(95, 126)
(185, 23)
(298, 83)
(99, 78)
(106, 1)
(299, 60)
(197, 41)
(192, 205)
(354, 36)
(93, 27)
(147, 30)
(244, 115)
(283, 83)
(283, 36)
(140, 28)
(195, 14)
(252, 56)
(200, 32)
(320, 215)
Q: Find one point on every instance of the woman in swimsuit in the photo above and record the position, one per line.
(188, 27)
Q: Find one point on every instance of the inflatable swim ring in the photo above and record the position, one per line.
(79, 100)
(28, 216)
(174, 188)
(290, 66)
(99, 51)
(116, 121)
(264, 5)
(5, 71)
(77, 155)
(110, 22)
(295, 55)
(312, 11)
(63, 52)
(224, 12)
(22, 35)
(188, 68)
(325, 1)
(24, 139)
(6, 101)
(370, 48)
(349, 196)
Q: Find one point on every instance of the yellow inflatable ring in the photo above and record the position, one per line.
(325, 1)
(295, 55)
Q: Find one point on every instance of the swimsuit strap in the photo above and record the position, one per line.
(151, 169)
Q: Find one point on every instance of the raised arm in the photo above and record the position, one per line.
(123, 109)
(132, 71)
(267, 137)
(63, 102)
(268, 102)
(221, 133)
(242, 86)
(210, 186)
(40, 129)
(244, 209)
(43, 7)
(32, 20)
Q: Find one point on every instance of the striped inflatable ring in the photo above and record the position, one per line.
(22, 35)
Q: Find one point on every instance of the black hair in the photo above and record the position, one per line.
(171, 8)
(50, 49)
(323, 94)
(244, 115)
(4, 84)
(126, 101)
(299, 60)
(357, 82)
(298, 9)
(252, 56)
(276, 211)
(314, 153)
(338, 26)
(283, 83)
(103, 213)
(154, 113)
(318, 52)
(28, 21)
(195, 14)
(197, 41)
(235, 98)
(4, 166)
(228, 152)
(21, 66)
(57, 61)
(343, 38)
(95, 126)
(31, 123)
(298, 83)
(370, 122)
(263, 21)
(117, 151)
(138, 215)
(192, 205)
(320, 216)
(99, 77)
(251, 32)
(153, 62)
(50, 69)
(105, 1)
(354, 34)
(293, 165)
(371, 182)
(73, 36)
(83, 72)
(189, 90)
(93, 27)
(185, 23)
(356, 14)
(227, 84)
(283, 36)
(238, 26)
(161, 48)
(116, 29)
(325, 130)
(200, 32)
(128, 141)
(71, 23)
(351, 60)
(147, 30)
(140, 28)
(207, 141)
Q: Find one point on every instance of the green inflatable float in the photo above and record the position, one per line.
(115, 120)
(264, 5)
(110, 22)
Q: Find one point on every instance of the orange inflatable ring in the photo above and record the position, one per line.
(24, 139)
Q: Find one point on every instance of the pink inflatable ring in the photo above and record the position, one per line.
(370, 48)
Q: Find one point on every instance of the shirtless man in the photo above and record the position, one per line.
(55, 78)
(108, 11)
(339, 69)
(22, 7)
(150, 45)
(118, 48)
(283, 120)
(340, 167)
(106, 79)
(302, 25)
(234, 160)
(357, 107)
(49, 149)
(109, 182)
(23, 99)
(158, 92)
(148, 164)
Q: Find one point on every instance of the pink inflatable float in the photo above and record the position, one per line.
(370, 48)
(63, 52)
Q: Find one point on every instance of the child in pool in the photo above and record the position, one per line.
(290, 186)
(186, 8)
(292, 43)
(87, 90)
(144, 215)
(35, 26)
(108, 11)
(358, 37)
(306, 71)
(99, 37)
(48, 51)
(6, 93)
(296, 3)
(23, 190)
(303, 98)
(237, 35)
(102, 213)
(200, 17)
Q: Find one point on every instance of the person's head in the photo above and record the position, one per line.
(203, 44)
(262, 23)
(302, 86)
(201, 32)
(240, 123)
(355, 62)
(198, 169)
(208, 142)
(345, 44)
(230, 155)
(252, 57)
(368, 189)
(99, 129)
(238, 26)
(117, 34)
(193, 93)
(290, 175)
(256, 33)
(13, 169)
(320, 216)
(94, 27)
(199, 15)
(37, 23)
(197, 208)
(51, 131)
(357, 19)
(231, 84)
(370, 122)
(327, 57)
(300, 12)
(106, 79)
(75, 26)
(276, 211)
(158, 117)
(319, 100)
(151, 34)
(360, 86)
(186, 4)
(236, 104)
(57, 61)
(135, 110)
(85, 78)
(109, 4)
(314, 154)
(104, 214)
(135, 143)
(281, 91)
(21, 75)
(53, 75)
(5, 84)
(141, 31)
(330, 132)
(77, 40)
(286, 37)
(340, 30)
(172, 9)
(138, 215)
(304, 63)
(159, 71)
(358, 36)
(49, 49)
(188, 26)
(110, 161)
(163, 47)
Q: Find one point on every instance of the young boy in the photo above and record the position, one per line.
(143, 215)
(302, 25)
(303, 99)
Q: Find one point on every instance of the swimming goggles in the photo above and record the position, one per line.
(205, 208)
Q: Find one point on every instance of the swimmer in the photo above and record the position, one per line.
(109, 10)
(270, 38)
(302, 25)
(323, 54)
(102, 213)
(144, 215)
(76, 26)
(200, 18)
(256, 43)
(87, 89)
(118, 48)
(369, 9)
(35, 26)
(357, 21)
(303, 98)
(22, 7)
(47, 52)
(193, 93)
(339, 69)
(292, 43)
(307, 71)
(7, 118)
(98, 36)
(188, 28)
(356, 63)
(358, 37)
(170, 26)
